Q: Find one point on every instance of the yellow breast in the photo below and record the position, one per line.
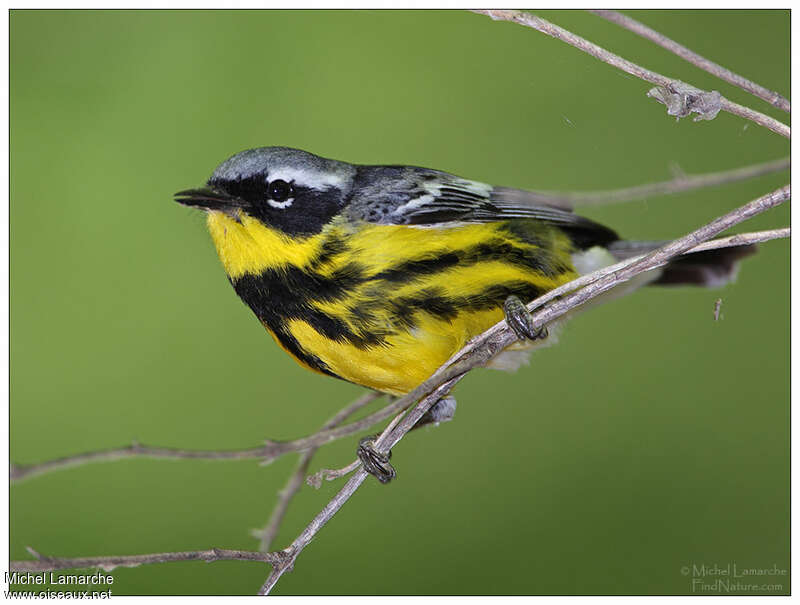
(384, 306)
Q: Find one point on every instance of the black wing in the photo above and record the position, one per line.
(403, 195)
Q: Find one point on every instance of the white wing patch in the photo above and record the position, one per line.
(481, 189)
(423, 200)
(434, 191)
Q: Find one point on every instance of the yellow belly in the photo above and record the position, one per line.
(441, 306)
(406, 359)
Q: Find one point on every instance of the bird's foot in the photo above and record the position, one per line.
(520, 320)
(374, 462)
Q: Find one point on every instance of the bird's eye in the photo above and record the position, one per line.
(279, 190)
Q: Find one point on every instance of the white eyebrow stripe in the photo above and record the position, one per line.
(306, 178)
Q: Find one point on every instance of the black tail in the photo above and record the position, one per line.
(710, 268)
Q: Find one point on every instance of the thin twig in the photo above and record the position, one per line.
(770, 96)
(311, 530)
(744, 239)
(676, 185)
(43, 563)
(344, 494)
(476, 353)
(741, 239)
(267, 535)
(135, 450)
(273, 450)
(602, 54)
(330, 474)
(497, 338)
(266, 453)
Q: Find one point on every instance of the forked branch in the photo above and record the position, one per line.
(478, 352)
(108, 563)
(482, 349)
(770, 96)
(274, 449)
(546, 308)
(672, 88)
(678, 184)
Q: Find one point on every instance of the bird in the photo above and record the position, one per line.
(378, 274)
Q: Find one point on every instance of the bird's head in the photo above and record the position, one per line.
(286, 189)
(266, 205)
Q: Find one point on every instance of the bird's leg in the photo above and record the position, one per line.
(520, 320)
(374, 462)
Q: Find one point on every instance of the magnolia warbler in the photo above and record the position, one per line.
(379, 274)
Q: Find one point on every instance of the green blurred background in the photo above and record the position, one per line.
(650, 439)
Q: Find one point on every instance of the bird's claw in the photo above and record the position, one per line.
(374, 462)
(521, 322)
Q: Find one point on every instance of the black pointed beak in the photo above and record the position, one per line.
(207, 198)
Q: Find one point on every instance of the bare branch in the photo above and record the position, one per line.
(770, 96)
(590, 278)
(273, 450)
(349, 488)
(267, 535)
(499, 336)
(676, 185)
(330, 474)
(744, 239)
(311, 530)
(43, 563)
(660, 257)
(693, 99)
(476, 353)
(135, 450)
(479, 350)
(266, 453)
